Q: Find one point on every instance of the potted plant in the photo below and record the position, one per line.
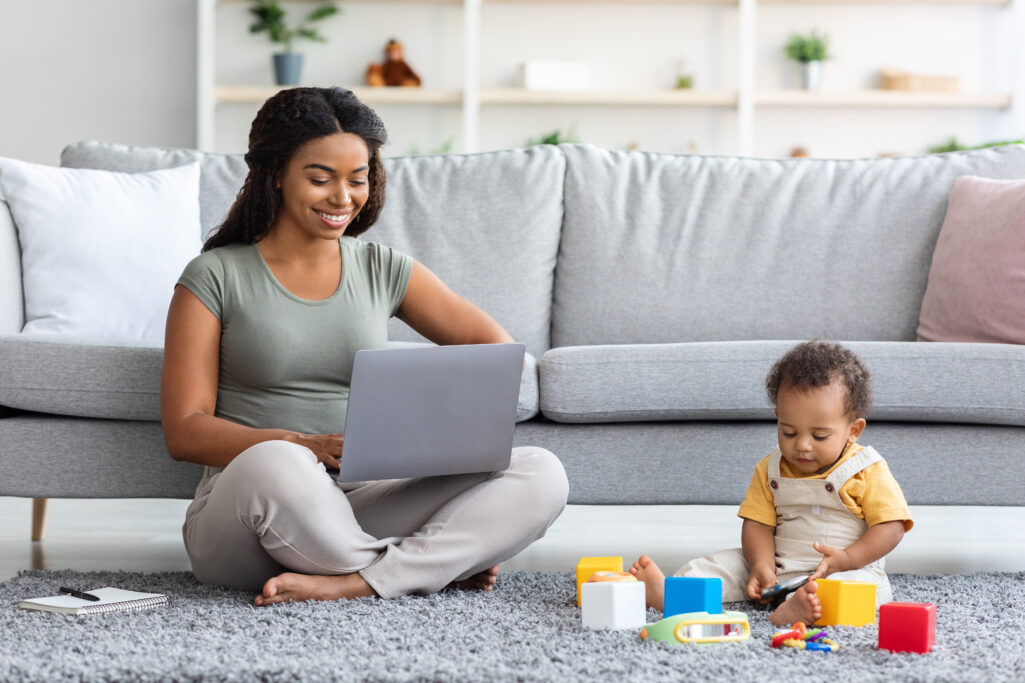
(270, 17)
(810, 50)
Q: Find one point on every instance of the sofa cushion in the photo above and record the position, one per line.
(487, 224)
(80, 377)
(220, 175)
(92, 378)
(976, 290)
(101, 250)
(666, 248)
(12, 298)
(911, 382)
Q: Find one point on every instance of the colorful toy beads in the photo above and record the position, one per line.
(802, 638)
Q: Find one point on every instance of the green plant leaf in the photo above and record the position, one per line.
(269, 16)
(322, 12)
(556, 137)
(813, 47)
(311, 34)
(954, 146)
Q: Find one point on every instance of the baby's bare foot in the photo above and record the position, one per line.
(654, 580)
(289, 587)
(803, 605)
(481, 581)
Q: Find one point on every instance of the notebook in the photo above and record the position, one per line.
(111, 600)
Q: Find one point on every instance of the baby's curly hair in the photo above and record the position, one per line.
(817, 364)
(286, 122)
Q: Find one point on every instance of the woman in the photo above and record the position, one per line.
(260, 339)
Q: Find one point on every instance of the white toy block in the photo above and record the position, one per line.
(613, 604)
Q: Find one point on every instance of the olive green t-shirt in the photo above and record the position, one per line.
(286, 362)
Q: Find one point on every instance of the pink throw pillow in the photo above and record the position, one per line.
(976, 289)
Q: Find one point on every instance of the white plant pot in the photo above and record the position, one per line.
(811, 75)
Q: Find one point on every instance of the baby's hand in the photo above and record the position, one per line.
(762, 576)
(833, 560)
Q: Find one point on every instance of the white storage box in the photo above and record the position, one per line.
(540, 75)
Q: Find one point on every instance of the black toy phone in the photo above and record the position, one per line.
(785, 587)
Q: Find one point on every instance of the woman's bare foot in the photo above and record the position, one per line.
(481, 581)
(654, 580)
(291, 587)
(803, 605)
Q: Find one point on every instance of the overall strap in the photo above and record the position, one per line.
(864, 458)
(774, 459)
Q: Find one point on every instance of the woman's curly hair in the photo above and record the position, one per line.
(286, 122)
(818, 364)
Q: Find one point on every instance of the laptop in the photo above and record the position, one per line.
(428, 411)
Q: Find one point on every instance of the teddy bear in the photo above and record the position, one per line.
(394, 70)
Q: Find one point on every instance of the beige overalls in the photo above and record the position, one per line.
(807, 510)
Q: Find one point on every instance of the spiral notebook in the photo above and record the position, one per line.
(111, 600)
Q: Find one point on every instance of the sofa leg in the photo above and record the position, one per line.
(39, 518)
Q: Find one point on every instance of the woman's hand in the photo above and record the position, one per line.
(327, 447)
(761, 576)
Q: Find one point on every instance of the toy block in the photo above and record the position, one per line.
(846, 603)
(907, 626)
(613, 604)
(587, 566)
(685, 594)
(598, 577)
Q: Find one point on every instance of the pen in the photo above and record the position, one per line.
(78, 594)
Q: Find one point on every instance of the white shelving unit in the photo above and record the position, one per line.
(471, 97)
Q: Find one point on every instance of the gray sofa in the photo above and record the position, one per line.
(655, 290)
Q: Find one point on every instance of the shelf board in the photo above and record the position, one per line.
(882, 98)
(670, 2)
(547, 2)
(680, 98)
(244, 94)
(999, 3)
(695, 98)
(605, 2)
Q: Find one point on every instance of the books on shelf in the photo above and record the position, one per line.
(110, 600)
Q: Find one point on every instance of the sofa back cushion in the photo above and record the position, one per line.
(667, 248)
(487, 224)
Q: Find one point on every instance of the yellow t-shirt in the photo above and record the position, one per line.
(872, 494)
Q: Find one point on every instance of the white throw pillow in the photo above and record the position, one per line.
(102, 251)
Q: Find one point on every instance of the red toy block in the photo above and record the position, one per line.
(907, 626)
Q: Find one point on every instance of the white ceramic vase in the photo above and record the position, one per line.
(811, 75)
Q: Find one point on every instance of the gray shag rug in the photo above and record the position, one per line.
(527, 629)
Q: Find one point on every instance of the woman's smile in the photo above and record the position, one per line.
(334, 219)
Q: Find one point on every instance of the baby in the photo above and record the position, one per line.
(820, 503)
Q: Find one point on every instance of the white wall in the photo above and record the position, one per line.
(116, 70)
(124, 70)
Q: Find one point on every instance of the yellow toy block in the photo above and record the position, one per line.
(589, 565)
(846, 603)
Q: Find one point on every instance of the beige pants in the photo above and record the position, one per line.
(274, 508)
(733, 569)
